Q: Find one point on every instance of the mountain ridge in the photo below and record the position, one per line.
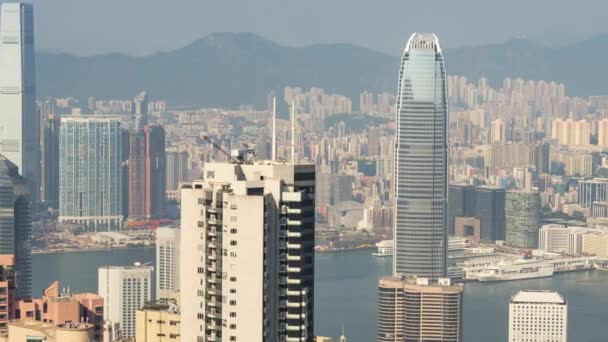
(230, 69)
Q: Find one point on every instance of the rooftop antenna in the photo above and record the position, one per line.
(293, 131)
(274, 128)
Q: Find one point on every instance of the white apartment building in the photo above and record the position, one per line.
(247, 253)
(557, 238)
(538, 316)
(167, 262)
(125, 289)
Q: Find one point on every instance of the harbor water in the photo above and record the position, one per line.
(345, 293)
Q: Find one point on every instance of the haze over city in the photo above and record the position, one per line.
(144, 26)
(312, 172)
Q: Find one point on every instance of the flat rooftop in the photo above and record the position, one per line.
(538, 296)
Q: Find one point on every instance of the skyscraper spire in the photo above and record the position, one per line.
(293, 131)
(343, 337)
(274, 128)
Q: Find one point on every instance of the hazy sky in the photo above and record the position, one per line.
(142, 26)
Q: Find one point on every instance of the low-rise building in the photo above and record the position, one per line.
(158, 322)
(31, 330)
(557, 238)
(62, 307)
(596, 243)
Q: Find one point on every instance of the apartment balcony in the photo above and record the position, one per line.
(295, 327)
(212, 314)
(294, 234)
(294, 258)
(212, 290)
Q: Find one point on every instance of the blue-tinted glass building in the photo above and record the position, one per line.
(421, 159)
(90, 173)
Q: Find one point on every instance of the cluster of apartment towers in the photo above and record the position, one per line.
(245, 263)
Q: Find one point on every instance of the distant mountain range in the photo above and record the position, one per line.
(230, 69)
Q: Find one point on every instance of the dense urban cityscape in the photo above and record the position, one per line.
(138, 219)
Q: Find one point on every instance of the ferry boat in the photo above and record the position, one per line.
(385, 248)
(601, 265)
(521, 269)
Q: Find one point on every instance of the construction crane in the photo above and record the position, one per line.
(219, 148)
(240, 158)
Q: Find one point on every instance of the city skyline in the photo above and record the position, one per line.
(378, 212)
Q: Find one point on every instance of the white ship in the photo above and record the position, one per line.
(385, 248)
(521, 269)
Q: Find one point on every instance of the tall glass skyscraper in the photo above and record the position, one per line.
(420, 230)
(19, 122)
(15, 224)
(90, 172)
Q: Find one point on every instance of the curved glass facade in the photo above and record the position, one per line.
(421, 161)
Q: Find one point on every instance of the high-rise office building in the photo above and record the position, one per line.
(15, 225)
(498, 131)
(421, 161)
(90, 172)
(167, 262)
(323, 188)
(20, 122)
(538, 316)
(49, 188)
(341, 188)
(137, 174)
(416, 311)
(418, 303)
(484, 203)
(522, 214)
(177, 170)
(592, 190)
(125, 289)
(147, 165)
(156, 171)
(247, 253)
(602, 132)
(490, 210)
